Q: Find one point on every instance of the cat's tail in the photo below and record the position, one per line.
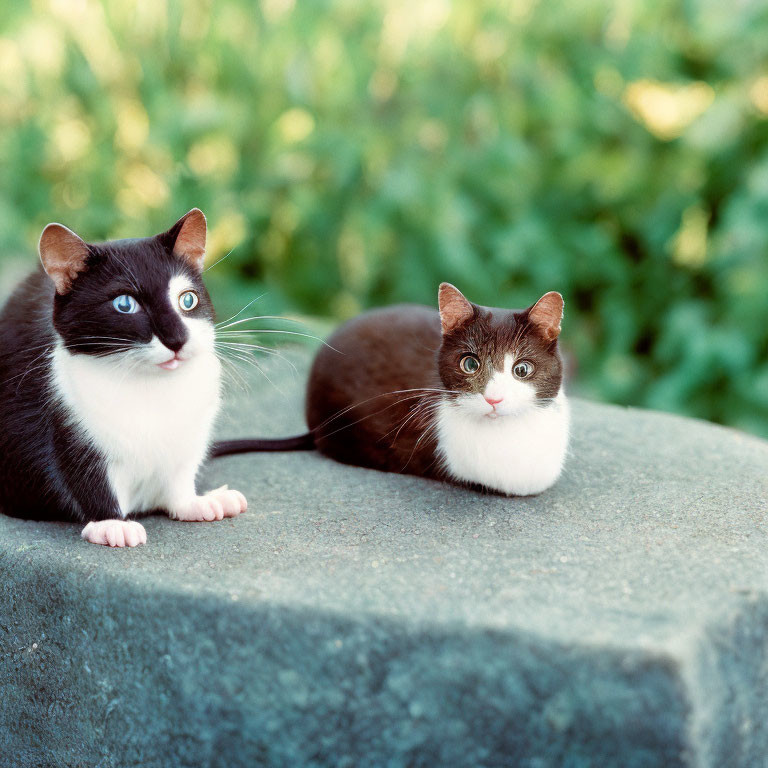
(305, 442)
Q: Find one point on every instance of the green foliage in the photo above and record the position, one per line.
(354, 154)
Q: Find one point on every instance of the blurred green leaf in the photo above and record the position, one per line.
(356, 154)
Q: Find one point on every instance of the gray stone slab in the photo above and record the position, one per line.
(363, 619)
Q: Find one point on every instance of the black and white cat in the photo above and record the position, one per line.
(109, 384)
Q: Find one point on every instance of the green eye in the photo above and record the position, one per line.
(188, 300)
(523, 369)
(469, 364)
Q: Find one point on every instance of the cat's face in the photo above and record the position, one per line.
(141, 302)
(499, 362)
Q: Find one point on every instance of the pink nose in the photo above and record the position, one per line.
(491, 401)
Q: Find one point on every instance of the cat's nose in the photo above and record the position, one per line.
(171, 331)
(175, 342)
(491, 401)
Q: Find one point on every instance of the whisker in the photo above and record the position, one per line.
(368, 416)
(247, 347)
(242, 345)
(219, 261)
(419, 410)
(24, 374)
(223, 325)
(264, 374)
(233, 371)
(296, 333)
(52, 342)
(242, 357)
(383, 394)
(431, 428)
(252, 301)
(115, 349)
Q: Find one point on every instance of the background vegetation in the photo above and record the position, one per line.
(351, 154)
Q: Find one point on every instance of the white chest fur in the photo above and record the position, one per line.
(515, 454)
(152, 427)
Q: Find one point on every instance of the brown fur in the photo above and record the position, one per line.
(351, 410)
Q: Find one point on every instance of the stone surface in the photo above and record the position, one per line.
(354, 618)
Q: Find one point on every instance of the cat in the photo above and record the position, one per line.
(109, 384)
(468, 393)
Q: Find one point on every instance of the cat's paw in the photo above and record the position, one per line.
(233, 503)
(214, 505)
(115, 533)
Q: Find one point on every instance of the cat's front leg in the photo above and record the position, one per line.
(185, 504)
(91, 496)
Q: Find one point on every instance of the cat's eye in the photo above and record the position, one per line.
(523, 369)
(188, 300)
(469, 364)
(126, 305)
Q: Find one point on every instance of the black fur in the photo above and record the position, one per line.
(305, 442)
(48, 470)
(141, 268)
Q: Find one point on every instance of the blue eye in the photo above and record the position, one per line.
(188, 300)
(126, 304)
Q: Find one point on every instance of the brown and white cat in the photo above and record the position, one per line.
(470, 394)
(109, 384)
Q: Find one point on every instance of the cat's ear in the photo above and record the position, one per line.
(546, 314)
(64, 256)
(188, 237)
(454, 308)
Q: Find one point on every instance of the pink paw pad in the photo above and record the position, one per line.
(214, 505)
(115, 533)
(233, 503)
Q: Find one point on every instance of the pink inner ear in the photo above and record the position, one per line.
(547, 313)
(190, 242)
(63, 255)
(454, 308)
